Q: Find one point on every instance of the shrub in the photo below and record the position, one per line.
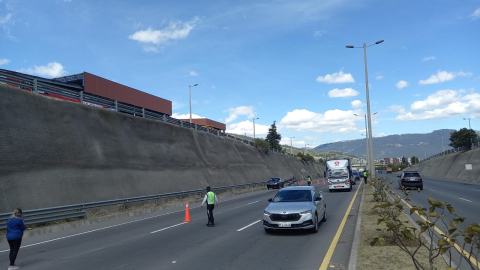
(262, 145)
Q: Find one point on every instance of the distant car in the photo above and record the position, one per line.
(410, 179)
(300, 207)
(356, 176)
(275, 183)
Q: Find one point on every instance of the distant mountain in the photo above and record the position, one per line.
(407, 145)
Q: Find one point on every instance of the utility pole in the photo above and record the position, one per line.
(291, 145)
(190, 98)
(254, 127)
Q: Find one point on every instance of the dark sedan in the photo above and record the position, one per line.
(275, 183)
(410, 179)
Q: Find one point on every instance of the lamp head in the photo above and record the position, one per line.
(195, 84)
(378, 42)
(350, 46)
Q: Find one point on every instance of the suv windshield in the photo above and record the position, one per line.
(293, 196)
(411, 175)
(338, 174)
(274, 179)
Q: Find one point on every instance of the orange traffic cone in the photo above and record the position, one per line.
(324, 181)
(318, 182)
(302, 182)
(187, 214)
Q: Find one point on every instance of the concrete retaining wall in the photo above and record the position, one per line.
(55, 153)
(452, 166)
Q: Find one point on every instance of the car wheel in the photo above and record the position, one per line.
(268, 230)
(421, 188)
(268, 187)
(331, 190)
(350, 189)
(315, 224)
(324, 214)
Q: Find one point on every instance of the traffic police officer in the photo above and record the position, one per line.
(211, 199)
(365, 175)
(309, 180)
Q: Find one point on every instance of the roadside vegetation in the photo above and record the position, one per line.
(390, 234)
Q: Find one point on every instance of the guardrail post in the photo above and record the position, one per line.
(143, 112)
(116, 105)
(81, 96)
(196, 127)
(218, 133)
(35, 89)
(181, 123)
(164, 118)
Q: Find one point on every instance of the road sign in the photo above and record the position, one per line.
(302, 170)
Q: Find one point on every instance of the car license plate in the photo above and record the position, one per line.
(413, 178)
(339, 186)
(284, 224)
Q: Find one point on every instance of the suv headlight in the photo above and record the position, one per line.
(266, 213)
(309, 212)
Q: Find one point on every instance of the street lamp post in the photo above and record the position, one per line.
(291, 145)
(254, 127)
(305, 148)
(368, 144)
(372, 172)
(190, 98)
(469, 127)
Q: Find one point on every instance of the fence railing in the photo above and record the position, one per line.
(75, 93)
(454, 150)
(41, 215)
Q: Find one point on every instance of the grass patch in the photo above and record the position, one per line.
(388, 256)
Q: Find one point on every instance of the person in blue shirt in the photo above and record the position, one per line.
(15, 228)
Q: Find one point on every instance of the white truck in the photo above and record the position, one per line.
(339, 174)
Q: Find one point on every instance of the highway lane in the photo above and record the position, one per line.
(165, 242)
(464, 197)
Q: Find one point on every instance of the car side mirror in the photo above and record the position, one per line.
(270, 200)
(317, 199)
(398, 176)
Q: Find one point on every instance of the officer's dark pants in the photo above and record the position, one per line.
(309, 182)
(365, 178)
(210, 208)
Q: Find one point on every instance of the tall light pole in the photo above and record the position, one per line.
(291, 145)
(254, 127)
(372, 173)
(469, 127)
(367, 157)
(190, 98)
(305, 148)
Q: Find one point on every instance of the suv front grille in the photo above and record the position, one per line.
(286, 217)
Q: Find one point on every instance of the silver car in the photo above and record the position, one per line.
(299, 207)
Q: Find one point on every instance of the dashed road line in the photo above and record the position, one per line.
(169, 227)
(252, 202)
(465, 199)
(248, 225)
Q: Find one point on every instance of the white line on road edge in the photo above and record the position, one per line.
(248, 225)
(169, 227)
(252, 202)
(432, 189)
(465, 200)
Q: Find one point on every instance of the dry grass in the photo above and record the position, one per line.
(389, 256)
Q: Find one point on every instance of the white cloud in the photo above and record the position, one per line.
(4, 61)
(335, 121)
(429, 58)
(174, 31)
(476, 14)
(193, 73)
(443, 104)
(247, 127)
(318, 33)
(379, 77)
(51, 70)
(242, 110)
(186, 116)
(357, 104)
(67, 0)
(397, 108)
(5, 19)
(295, 143)
(339, 77)
(438, 99)
(379, 135)
(443, 76)
(401, 84)
(344, 93)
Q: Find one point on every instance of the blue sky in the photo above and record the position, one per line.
(276, 60)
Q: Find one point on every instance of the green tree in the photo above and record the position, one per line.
(415, 160)
(463, 138)
(262, 145)
(273, 137)
(404, 160)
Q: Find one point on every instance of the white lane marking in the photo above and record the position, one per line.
(475, 189)
(133, 221)
(169, 227)
(465, 200)
(432, 189)
(252, 202)
(248, 226)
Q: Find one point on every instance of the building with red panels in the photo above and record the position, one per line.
(205, 122)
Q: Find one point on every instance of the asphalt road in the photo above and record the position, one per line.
(464, 197)
(162, 241)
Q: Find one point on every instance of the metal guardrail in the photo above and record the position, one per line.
(454, 150)
(77, 210)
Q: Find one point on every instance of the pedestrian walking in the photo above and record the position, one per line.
(15, 228)
(365, 175)
(309, 180)
(210, 198)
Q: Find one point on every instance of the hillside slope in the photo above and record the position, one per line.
(452, 166)
(55, 153)
(395, 145)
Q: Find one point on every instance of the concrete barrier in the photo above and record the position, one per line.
(55, 152)
(452, 166)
